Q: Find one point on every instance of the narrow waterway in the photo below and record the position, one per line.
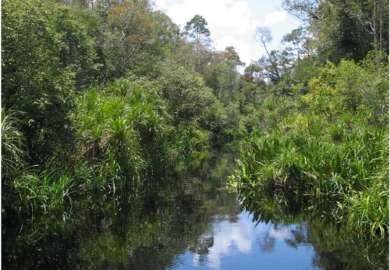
(189, 223)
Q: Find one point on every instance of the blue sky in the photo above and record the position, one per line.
(234, 22)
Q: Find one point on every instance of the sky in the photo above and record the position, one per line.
(242, 243)
(234, 22)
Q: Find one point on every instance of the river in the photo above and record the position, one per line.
(193, 222)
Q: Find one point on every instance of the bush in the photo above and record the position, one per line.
(47, 52)
(331, 146)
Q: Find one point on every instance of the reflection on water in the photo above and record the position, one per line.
(241, 244)
(186, 223)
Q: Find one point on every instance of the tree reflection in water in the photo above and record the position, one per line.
(335, 246)
(172, 225)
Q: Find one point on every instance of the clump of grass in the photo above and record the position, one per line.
(12, 144)
(332, 147)
(45, 193)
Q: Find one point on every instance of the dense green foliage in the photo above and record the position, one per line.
(324, 126)
(106, 100)
(342, 29)
(102, 101)
(331, 142)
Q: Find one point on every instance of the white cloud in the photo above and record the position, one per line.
(227, 238)
(231, 22)
(283, 233)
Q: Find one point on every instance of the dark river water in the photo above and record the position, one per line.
(193, 223)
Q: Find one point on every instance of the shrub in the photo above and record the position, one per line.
(332, 146)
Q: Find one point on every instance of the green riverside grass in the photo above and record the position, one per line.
(331, 147)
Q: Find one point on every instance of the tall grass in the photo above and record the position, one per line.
(12, 144)
(333, 147)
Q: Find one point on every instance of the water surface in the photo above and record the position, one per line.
(190, 222)
(236, 242)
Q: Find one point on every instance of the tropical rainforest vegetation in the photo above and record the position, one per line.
(104, 100)
(323, 129)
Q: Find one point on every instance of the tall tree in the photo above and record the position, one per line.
(344, 28)
(196, 30)
(253, 73)
(269, 62)
(299, 44)
(232, 56)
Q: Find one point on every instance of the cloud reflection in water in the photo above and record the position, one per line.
(238, 241)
